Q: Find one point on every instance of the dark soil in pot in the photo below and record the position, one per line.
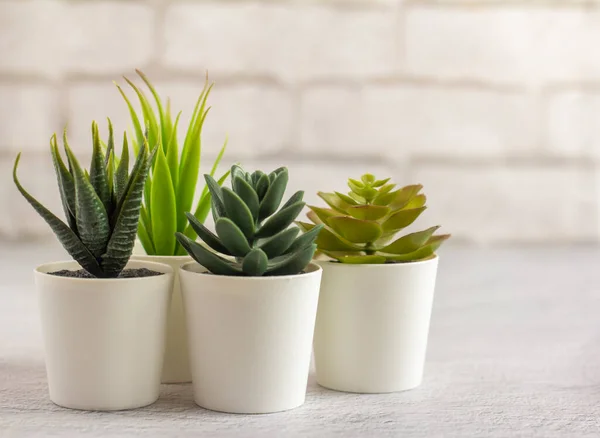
(127, 273)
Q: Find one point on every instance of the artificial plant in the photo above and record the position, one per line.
(171, 187)
(252, 236)
(102, 207)
(358, 227)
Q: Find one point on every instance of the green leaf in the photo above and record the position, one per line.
(272, 199)
(172, 154)
(386, 188)
(98, 177)
(238, 211)
(305, 239)
(279, 243)
(368, 212)
(402, 219)
(232, 237)
(262, 185)
(405, 195)
(361, 259)
(247, 194)
(127, 216)
(346, 198)
(211, 261)
(66, 185)
(111, 144)
(356, 230)
(163, 207)
(161, 112)
(380, 182)
(150, 121)
(368, 178)
(255, 263)
(216, 194)
(328, 240)
(296, 197)
(135, 120)
(122, 174)
(64, 234)
(206, 235)
(321, 215)
(334, 201)
(410, 242)
(355, 184)
(416, 202)
(92, 220)
(293, 263)
(145, 239)
(424, 252)
(280, 220)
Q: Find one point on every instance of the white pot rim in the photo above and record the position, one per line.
(312, 269)
(179, 258)
(398, 265)
(43, 270)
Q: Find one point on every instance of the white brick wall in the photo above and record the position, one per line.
(493, 106)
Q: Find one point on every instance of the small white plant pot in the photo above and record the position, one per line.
(104, 338)
(176, 368)
(372, 325)
(250, 338)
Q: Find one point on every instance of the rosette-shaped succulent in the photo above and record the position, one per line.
(253, 237)
(360, 227)
(102, 207)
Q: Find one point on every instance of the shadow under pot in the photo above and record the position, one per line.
(372, 325)
(176, 368)
(104, 338)
(250, 338)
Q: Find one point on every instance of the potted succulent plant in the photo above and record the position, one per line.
(377, 293)
(169, 193)
(251, 299)
(103, 317)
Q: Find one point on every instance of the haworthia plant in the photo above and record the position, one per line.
(171, 186)
(253, 237)
(102, 207)
(358, 227)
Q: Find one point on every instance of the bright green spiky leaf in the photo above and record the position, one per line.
(163, 198)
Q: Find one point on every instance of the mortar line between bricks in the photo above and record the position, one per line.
(344, 5)
(504, 4)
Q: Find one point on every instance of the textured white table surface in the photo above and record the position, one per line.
(514, 351)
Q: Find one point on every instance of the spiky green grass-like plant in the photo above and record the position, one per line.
(253, 235)
(102, 207)
(358, 226)
(171, 186)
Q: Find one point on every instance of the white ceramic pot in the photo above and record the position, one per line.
(250, 338)
(372, 325)
(176, 368)
(104, 338)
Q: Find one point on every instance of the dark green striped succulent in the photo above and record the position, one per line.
(253, 237)
(102, 207)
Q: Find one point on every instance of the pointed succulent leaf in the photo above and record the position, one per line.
(386, 188)
(361, 259)
(238, 211)
(405, 195)
(272, 199)
(161, 112)
(111, 143)
(355, 230)
(368, 212)
(386, 198)
(232, 237)
(402, 219)
(137, 126)
(334, 201)
(357, 198)
(248, 195)
(127, 216)
(64, 234)
(322, 214)
(380, 182)
(92, 220)
(163, 206)
(279, 243)
(66, 185)
(355, 184)
(262, 185)
(205, 257)
(410, 242)
(206, 235)
(280, 220)
(255, 263)
(296, 197)
(346, 198)
(98, 171)
(172, 153)
(216, 194)
(328, 240)
(122, 173)
(305, 239)
(238, 171)
(368, 178)
(150, 122)
(416, 202)
(292, 263)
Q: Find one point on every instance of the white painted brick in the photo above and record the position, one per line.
(29, 39)
(572, 121)
(495, 204)
(290, 41)
(28, 116)
(108, 36)
(257, 118)
(397, 121)
(504, 44)
(17, 218)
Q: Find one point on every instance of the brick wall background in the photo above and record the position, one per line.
(493, 105)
